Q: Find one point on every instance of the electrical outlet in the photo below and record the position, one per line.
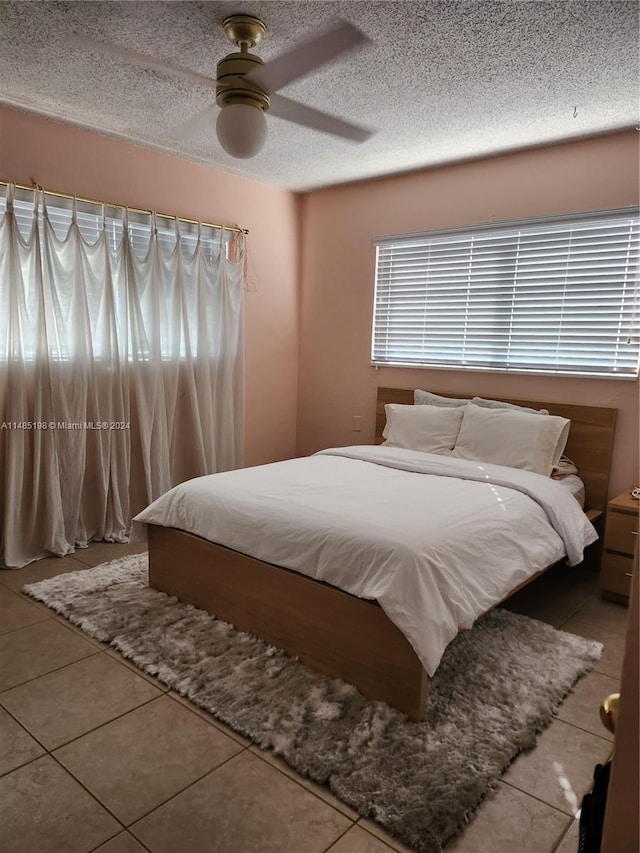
(357, 423)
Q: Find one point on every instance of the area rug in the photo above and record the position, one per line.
(497, 686)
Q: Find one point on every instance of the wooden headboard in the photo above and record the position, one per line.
(590, 443)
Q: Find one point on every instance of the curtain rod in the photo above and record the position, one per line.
(126, 207)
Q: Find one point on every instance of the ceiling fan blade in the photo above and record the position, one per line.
(300, 114)
(139, 59)
(204, 121)
(305, 57)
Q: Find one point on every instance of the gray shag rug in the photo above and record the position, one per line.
(498, 685)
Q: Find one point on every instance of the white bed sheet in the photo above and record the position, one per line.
(435, 550)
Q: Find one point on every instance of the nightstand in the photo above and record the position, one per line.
(620, 543)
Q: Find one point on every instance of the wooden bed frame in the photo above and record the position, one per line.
(330, 630)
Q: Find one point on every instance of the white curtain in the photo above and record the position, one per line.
(120, 375)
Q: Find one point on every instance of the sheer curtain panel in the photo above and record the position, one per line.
(120, 368)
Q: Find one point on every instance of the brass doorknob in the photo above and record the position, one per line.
(609, 712)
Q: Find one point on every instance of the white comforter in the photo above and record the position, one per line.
(435, 540)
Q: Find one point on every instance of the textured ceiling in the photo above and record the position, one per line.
(440, 82)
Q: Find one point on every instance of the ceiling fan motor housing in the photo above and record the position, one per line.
(244, 31)
(231, 88)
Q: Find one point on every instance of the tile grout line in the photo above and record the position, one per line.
(108, 560)
(127, 827)
(51, 754)
(258, 754)
(563, 835)
(588, 624)
(117, 835)
(602, 672)
(60, 620)
(594, 623)
(127, 545)
(181, 791)
(23, 627)
(391, 844)
(39, 605)
(82, 564)
(357, 823)
(76, 629)
(572, 616)
(106, 723)
(17, 592)
(210, 722)
(336, 840)
(586, 731)
(26, 763)
(308, 790)
(534, 797)
(50, 671)
(98, 651)
(13, 572)
(51, 750)
(127, 663)
(40, 744)
(84, 787)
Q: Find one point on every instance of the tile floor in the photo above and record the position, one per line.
(96, 756)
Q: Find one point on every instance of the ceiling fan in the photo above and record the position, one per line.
(246, 87)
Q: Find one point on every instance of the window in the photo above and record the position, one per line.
(90, 216)
(556, 296)
(93, 219)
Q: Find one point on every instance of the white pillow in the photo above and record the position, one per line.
(426, 398)
(422, 398)
(500, 404)
(516, 439)
(431, 429)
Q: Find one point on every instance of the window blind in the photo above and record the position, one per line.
(554, 296)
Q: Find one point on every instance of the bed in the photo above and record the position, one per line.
(332, 630)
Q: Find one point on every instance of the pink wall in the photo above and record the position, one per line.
(323, 376)
(70, 160)
(337, 381)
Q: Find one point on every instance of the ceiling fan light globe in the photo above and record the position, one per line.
(241, 130)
